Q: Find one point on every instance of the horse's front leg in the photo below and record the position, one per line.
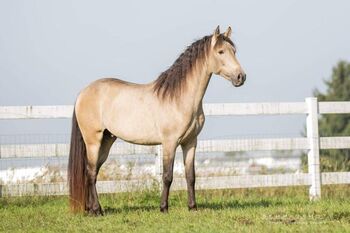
(189, 150)
(168, 165)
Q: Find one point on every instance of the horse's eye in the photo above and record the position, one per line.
(221, 52)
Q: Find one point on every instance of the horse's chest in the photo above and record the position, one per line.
(194, 128)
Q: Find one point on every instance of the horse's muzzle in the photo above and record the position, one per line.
(239, 80)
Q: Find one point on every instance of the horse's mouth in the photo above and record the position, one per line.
(235, 81)
(237, 84)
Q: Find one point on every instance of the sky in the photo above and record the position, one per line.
(50, 50)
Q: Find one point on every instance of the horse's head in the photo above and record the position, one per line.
(222, 58)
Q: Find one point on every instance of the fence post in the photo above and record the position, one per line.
(314, 151)
(159, 166)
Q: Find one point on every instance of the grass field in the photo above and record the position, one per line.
(246, 210)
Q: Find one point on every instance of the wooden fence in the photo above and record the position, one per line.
(311, 108)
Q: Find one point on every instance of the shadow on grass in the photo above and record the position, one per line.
(113, 210)
(201, 206)
(239, 204)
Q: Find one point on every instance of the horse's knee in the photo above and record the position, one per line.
(167, 178)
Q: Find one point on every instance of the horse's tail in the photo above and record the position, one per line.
(77, 180)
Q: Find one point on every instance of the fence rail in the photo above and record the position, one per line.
(313, 143)
(217, 109)
(217, 182)
(226, 145)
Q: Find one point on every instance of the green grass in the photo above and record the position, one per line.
(244, 210)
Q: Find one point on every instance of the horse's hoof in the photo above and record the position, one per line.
(164, 210)
(95, 212)
(192, 208)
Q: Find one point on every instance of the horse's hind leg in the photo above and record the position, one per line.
(106, 144)
(97, 148)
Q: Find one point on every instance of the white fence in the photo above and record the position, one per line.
(313, 143)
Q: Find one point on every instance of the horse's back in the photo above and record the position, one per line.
(114, 82)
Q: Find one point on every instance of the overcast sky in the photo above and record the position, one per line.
(50, 50)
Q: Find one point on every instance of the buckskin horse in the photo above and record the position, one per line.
(167, 111)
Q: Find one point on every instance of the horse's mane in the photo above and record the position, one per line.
(171, 82)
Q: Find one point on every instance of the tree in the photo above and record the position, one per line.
(338, 89)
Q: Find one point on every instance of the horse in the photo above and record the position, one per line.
(167, 112)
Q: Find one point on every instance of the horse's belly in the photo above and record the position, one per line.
(134, 128)
(138, 138)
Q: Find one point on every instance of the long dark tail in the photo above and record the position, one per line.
(77, 180)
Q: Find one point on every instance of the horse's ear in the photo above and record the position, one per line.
(228, 32)
(215, 35)
(217, 31)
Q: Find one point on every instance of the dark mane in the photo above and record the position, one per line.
(171, 82)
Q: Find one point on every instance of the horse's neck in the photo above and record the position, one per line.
(196, 87)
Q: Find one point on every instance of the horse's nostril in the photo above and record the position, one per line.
(240, 77)
(244, 77)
